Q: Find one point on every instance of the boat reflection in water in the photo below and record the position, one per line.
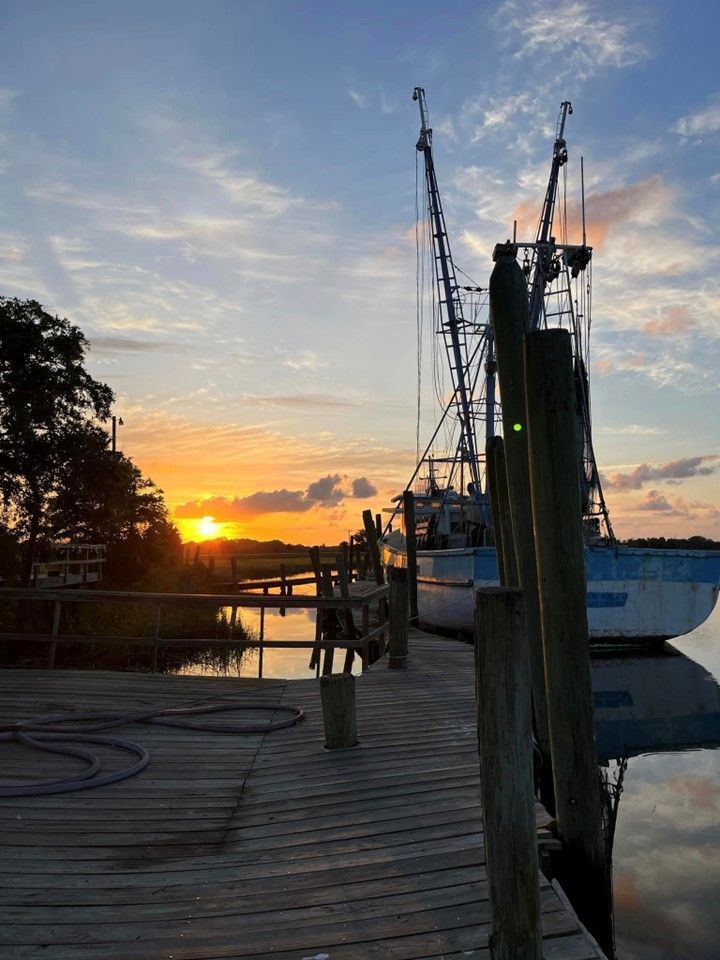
(657, 720)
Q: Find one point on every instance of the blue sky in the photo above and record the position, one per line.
(223, 196)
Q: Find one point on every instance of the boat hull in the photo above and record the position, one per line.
(634, 595)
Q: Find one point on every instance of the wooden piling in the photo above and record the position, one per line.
(378, 525)
(504, 723)
(509, 310)
(330, 620)
(374, 555)
(491, 470)
(344, 588)
(411, 551)
(55, 630)
(557, 514)
(399, 581)
(503, 526)
(337, 692)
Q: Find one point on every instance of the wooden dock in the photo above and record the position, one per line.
(264, 845)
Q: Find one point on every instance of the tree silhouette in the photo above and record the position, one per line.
(47, 398)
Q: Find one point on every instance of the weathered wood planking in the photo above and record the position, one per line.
(229, 847)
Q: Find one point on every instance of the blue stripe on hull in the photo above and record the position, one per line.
(629, 563)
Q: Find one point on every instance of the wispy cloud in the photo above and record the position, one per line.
(359, 99)
(576, 32)
(700, 123)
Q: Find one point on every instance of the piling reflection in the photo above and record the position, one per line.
(646, 706)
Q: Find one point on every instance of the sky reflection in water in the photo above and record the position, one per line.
(667, 841)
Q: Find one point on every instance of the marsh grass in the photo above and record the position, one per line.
(120, 620)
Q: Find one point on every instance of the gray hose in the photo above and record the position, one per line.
(44, 733)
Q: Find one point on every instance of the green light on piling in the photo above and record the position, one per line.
(517, 427)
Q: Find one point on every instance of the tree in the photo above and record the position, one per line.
(102, 497)
(47, 399)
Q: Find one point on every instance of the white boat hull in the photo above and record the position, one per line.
(638, 595)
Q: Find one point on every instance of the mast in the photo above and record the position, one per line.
(454, 326)
(544, 251)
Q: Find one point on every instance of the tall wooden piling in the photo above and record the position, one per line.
(504, 723)
(374, 555)
(411, 551)
(399, 581)
(554, 475)
(502, 522)
(509, 310)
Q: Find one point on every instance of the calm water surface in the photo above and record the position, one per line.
(663, 713)
(660, 712)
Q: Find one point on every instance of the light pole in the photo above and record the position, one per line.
(116, 422)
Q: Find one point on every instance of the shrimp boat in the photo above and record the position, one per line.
(635, 595)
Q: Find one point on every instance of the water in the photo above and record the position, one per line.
(277, 664)
(664, 713)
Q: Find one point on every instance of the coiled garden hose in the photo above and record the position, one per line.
(46, 733)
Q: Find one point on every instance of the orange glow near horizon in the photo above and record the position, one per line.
(201, 528)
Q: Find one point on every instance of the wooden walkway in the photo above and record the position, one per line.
(262, 846)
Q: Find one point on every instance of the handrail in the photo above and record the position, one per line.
(197, 599)
(359, 644)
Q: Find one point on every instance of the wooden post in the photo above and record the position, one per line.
(497, 473)
(55, 631)
(320, 615)
(378, 524)
(261, 648)
(156, 637)
(509, 310)
(411, 550)
(337, 692)
(330, 620)
(351, 557)
(399, 581)
(283, 586)
(557, 521)
(374, 554)
(344, 587)
(504, 724)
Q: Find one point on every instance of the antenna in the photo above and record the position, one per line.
(582, 196)
(514, 231)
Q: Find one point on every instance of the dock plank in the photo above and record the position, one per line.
(228, 847)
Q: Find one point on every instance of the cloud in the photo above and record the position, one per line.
(130, 345)
(326, 490)
(573, 32)
(305, 360)
(363, 488)
(310, 401)
(359, 99)
(654, 500)
(643, 202)
(672, 320)
(632, 430)
(700, 123)
(672, 470)
(324, 493)
(225, 510)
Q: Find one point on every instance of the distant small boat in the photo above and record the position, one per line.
(634, 595)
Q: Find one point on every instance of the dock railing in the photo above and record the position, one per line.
(356, 641)
(74, 564)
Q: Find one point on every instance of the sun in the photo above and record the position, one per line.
(207, 528)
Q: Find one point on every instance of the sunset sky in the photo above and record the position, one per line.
(222, 195)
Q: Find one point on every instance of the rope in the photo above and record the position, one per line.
(46, 733)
